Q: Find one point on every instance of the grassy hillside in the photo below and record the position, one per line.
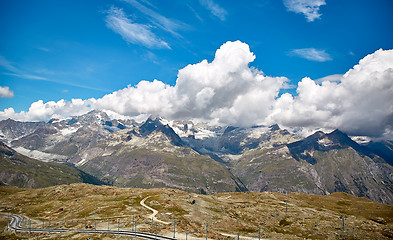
(22, 171)
(228, 214)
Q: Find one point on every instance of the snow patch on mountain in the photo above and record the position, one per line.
(68, 131)
(42, 156)
(326, 142)
(81, 162)
(361, 139)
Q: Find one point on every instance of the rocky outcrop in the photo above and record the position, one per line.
(321, 163)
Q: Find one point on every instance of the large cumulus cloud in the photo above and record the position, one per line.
(361, 103)
(229, 91)
(225, 91)
(40, 111)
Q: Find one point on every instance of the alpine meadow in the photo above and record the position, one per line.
(196, 119)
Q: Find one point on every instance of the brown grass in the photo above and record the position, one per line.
(309, 216)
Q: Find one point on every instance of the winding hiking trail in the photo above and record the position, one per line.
(155, 212)
(16, 225)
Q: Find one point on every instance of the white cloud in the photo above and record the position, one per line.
(229, 91)
(40, 111)
(43, 49)
(221, 91)
(16, 72)
(311, 54)
(195, 13)
(26, 76)
(330, 78)
(5, 92)
(150, 57)
(214, 9)
(134, 33)
(225, 91)
(7, 65)
(360, 103)
(146, 97)
(310, 8)
(166, 24)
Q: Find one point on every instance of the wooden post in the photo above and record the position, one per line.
(343, 218)
(174, 228)
(206, 230)
(156, 232)
(286, 206)
(133, 225)
(135, 228)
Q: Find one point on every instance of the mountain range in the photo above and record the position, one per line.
(205, 159)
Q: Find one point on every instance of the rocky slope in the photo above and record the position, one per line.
(321, 163)
(11, 129)
(152, 155)
(384, 149)
(203, 158)
(22, 171)
(60, 140)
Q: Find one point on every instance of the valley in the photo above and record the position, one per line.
(306, 216)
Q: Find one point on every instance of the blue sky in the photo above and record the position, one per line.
(53, 50)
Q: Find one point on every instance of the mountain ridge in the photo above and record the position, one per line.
(162, 153)
(22, 171)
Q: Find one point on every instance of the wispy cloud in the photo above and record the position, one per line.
(150, 57)
(311, 54)
(195, 13)
(26, 76)
(310, 8)
(16, 72)
(214, 9)
(330, 78)
(166, 24)
(43, 49)
(5, 92)
(134, 33)
(7, 65)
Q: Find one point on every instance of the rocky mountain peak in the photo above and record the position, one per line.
(274, 127)
(341, 138)
(11, 129)
(319, 141)
(170, 133)
(151, 124)
(229, 129)
(94, 116)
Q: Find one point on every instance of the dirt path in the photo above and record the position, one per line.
(155, 212)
